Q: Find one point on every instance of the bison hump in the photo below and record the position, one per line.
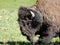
(50, 10)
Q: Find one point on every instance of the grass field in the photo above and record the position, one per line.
(9, 29)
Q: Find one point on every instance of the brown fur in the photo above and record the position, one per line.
(50, 9)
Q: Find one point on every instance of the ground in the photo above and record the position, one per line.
(9, 29)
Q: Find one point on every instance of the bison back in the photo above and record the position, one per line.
(50, 9)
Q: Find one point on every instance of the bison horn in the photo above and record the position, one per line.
(33, 15)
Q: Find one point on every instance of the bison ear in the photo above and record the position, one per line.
(32, 13)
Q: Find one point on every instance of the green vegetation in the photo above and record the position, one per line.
(15, 4)
(9, 28)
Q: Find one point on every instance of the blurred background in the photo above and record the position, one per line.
(9, 29)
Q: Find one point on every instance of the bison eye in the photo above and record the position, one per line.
(29, 16)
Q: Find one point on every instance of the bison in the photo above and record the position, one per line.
(42, 18)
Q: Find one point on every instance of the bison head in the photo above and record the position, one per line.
(30, 21)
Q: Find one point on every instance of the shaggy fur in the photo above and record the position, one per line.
(51, 13)
(29, 25)
(45, 22)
